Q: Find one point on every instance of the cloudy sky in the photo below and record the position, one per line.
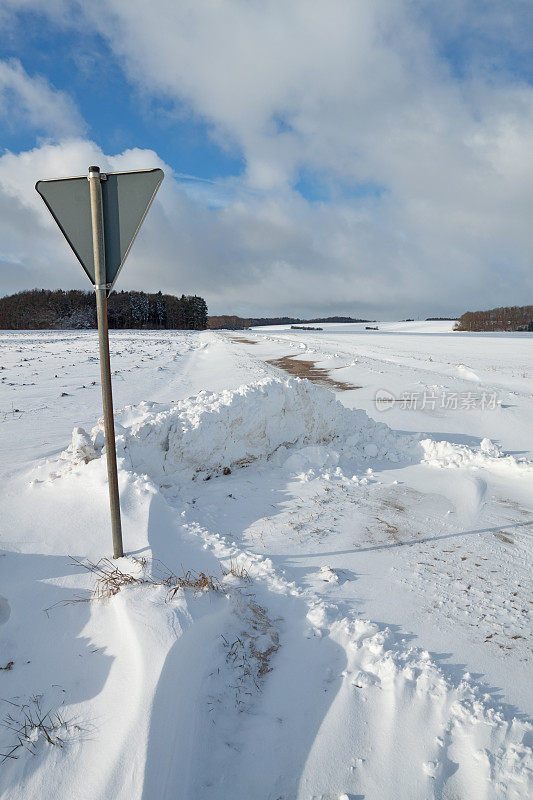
(362, 157)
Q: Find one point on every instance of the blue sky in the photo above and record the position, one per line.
(118, 116)
(365, 158)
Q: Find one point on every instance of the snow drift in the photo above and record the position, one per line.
(349, 708)
(488, 455)
(210, 432)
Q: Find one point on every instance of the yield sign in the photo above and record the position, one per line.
(126, 198)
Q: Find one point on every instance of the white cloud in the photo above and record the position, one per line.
(254, 254)
(32, 102)
(351, 92)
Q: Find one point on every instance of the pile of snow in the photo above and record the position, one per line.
(213, 431)
(328, 574)
(82, 447)
(488, 455)
(302, 423)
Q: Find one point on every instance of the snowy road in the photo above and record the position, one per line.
(376, 639)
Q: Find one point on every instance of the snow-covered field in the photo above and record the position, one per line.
(368, 633)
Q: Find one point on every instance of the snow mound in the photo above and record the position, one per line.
(81, 448)
(304, 425)
(328, 574)
(489, 455)
(213, 431)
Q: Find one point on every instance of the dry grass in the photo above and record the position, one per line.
(236, 569)
(261, 624)
(110, 579)
(250, 662)
(28, 723)
(308, 369)
(199, 581)
(242, 341)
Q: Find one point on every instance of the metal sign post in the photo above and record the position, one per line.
(100, 288)
(100, 216)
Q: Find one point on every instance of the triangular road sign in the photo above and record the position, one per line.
(126, 198)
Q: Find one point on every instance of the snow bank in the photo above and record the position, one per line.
(210, 432)
(488, 455)
(213, 431)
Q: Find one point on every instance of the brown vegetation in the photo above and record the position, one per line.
(228, 322)
(110, 579)
(307, 369)
(506, 318)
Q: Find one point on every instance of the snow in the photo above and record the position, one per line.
(371, 633)
(213, 431)
(409, 326)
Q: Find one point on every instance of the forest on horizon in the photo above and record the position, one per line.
(504, 318)
(59, 309)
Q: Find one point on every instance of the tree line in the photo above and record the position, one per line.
(228, 322)
(257, 321)
(232, 322)
(505, 318)
(45, 309)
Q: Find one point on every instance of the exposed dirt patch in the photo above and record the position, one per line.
(503, 538)
(308, 369)
(390, 530)
(387, 503)
(514, 506)
(242, 341)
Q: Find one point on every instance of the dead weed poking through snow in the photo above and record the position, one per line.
(29, 724)
(237, 570)
(110, 578)
(249, 654)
